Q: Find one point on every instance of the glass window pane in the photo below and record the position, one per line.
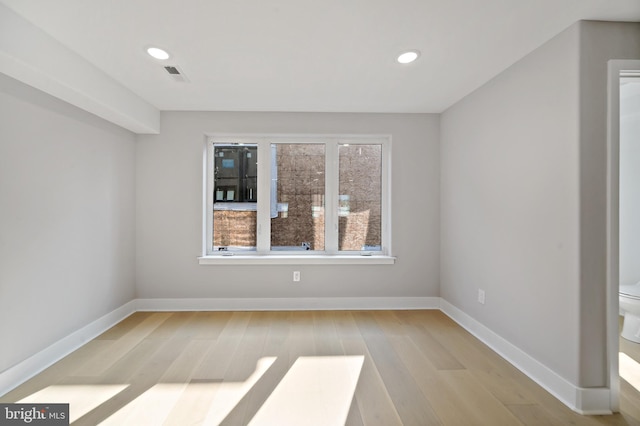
(298, 220)
(360, 198)
(234, 197)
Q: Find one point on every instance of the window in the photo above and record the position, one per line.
(299, 221)
(298, 196)
(235, 191)
(360, 197)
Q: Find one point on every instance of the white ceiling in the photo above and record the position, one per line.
(309, 55)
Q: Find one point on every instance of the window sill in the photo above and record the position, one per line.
(241, 259)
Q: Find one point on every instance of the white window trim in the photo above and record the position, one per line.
(312, 259)
(262, 255)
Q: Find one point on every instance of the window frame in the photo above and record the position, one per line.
(263, 253)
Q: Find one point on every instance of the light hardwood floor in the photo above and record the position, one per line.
(411, 368)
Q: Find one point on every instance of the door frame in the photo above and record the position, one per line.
(615, 67)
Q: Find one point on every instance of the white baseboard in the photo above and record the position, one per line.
(23, 371)
(289, 304)
(587, 401)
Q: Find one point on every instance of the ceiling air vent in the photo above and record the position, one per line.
(176, 73)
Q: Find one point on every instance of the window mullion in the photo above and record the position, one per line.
(331, 198)
(386, 198)
(263, 238)
(207, 244)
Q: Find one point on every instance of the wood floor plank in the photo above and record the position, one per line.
(246, 364)
(220, 357)
(207, 325)
(465, 351)
(180, 377)
(345, 325)
(504, 387)
(123, 370)
(256, 396)
(325, 335)
(470, 393)
(168, 329)
(534, 415)
(630, 399)
(279, 333)
(207, 381)
(410, 402)
(390, 323)
(124, 326)
(418, 331)
(354, 418)
(443, 400)
(374, 403)
(97, 365)
(194, 403)
(248, 351)
(301, 342)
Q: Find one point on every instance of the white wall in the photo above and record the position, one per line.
(169, 211)
(630, 183)
(509, 204)
(523, 203)
(66, 219)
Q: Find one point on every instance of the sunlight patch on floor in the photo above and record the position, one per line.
(81, 398)
(315, 391)
(629, 370)
(150, 408)
(229, 394)
(154, 406)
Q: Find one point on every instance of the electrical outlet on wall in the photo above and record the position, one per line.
(481, 296)
(296, 276)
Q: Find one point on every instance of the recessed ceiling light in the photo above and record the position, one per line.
(408, 56)
(158, 53)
